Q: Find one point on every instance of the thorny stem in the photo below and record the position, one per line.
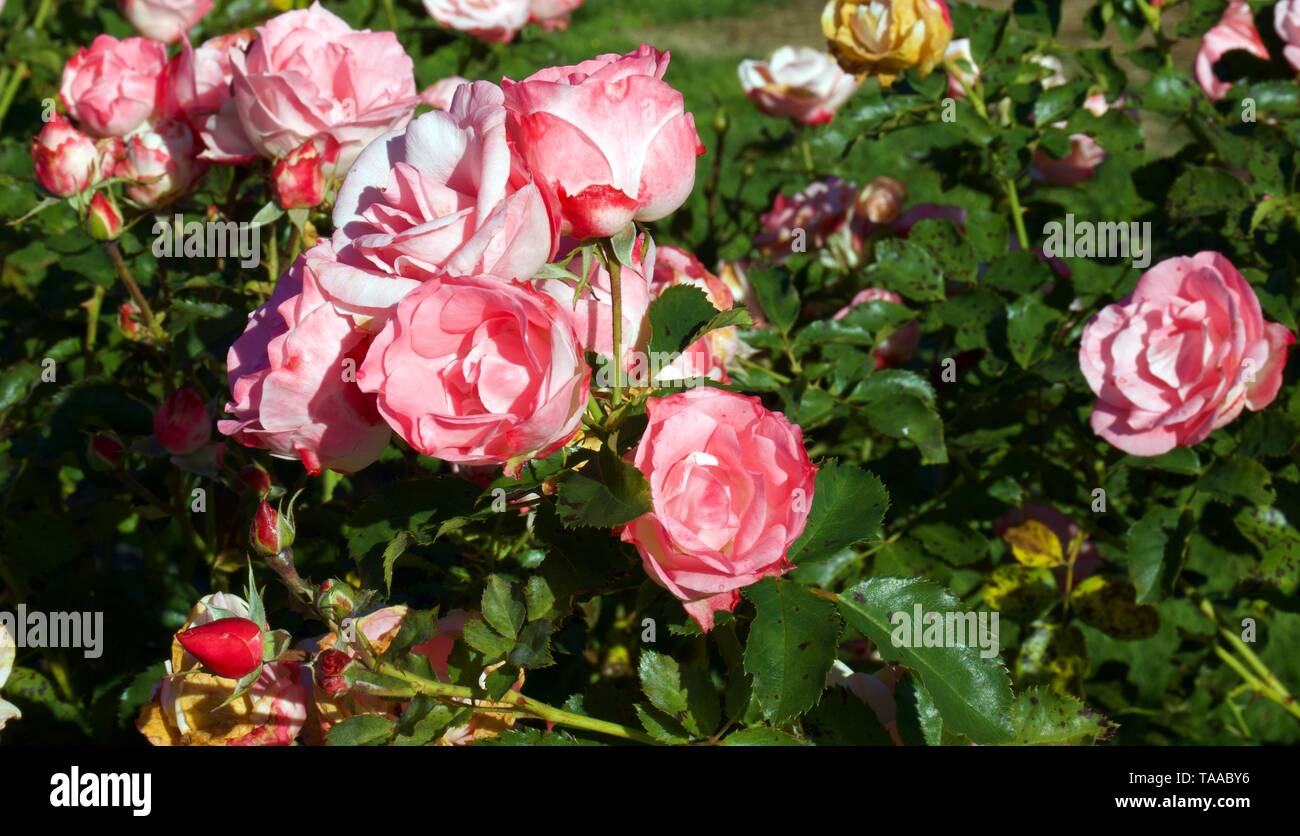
(1259, 677)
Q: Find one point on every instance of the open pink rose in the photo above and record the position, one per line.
(479, 370)
(495, 21)
(293, 378)
(798, 83)
(1235, 30)
(197, 83)
(164, 20)
(111, 87)
(308, 74)
(593, 312)
(731, 487)
(609, 137)
(895, 349)
(447, 194)
(66, 160)
(552, 15)
(1181, 356)
(1286, 20)
(162, 161)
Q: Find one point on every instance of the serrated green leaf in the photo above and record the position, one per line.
(792, 643)
(848, 505)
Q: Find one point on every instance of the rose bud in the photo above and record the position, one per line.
(332, 662)
(164, 20)
(881, 202)
(229, 647)
(271, 532)
(299, 177)
(128, 321)
(66, 160)
(105, 451)
(103, 219)
(255, 478)
(182, 424)
(163, 163)
(336, 599)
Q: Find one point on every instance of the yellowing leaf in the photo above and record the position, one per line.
(1034, 544)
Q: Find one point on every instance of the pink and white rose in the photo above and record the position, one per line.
(1286, 20)
(552, 15)
(162, 162)
(111, 87)
(798, 83)
(67, 162)
(1234, 31)
(494, 21)
(164, 20)
(1181, 356)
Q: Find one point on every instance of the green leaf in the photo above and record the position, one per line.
(533, 649)
(392, 552)
(1201, 191)
(676, 316)
(908, 417)
(606, 492)
(1042, 717)
(503, 607)
(792, 643)
(487, 641)
(972, 693)
(907, 268)
(776, 296)
(361, 730)
(1154, 556)
(1278, 543)
(848, 506)
(1238, 479)
(538, 597)
(420, 723)
(661, 680)
(956, 545)
(762, 736)
(1030, 326)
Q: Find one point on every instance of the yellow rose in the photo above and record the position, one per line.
(885, 37)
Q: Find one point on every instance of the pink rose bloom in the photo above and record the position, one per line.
(439, 94)
(731, 487)
(593, 312)
(111, 87)
(820, 211)
(66, 160)
(797, 82)
(163, 162)
(495, 21)
(1286, 20)
(197, 84)
(1235, 30)
(897, 348)
(958, 52)
(608, 137)
(552, 15)
(479, 370)
(1075, 167)
(309, 74)
(292, 378)
(1181, 356)
(447, 194)
(164, 20)
(181, 424)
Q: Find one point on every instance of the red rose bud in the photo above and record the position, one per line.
(299, 177)
(103, 219)
(182, 424)
(254, 478)
(105, 451)
(129, 322)
(332, 662)
(229, 647)
(334, 685)
(271, 532)
(66, 160)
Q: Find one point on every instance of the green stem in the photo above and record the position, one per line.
(124, 274)
(93, 307)
(615, 268)
(12, 82)
(514, 703)
(392, 14)
(1017, 214)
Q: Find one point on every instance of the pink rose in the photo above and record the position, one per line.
(1286, 20)
(292, 378)
(163, 163)
(593, 312)
(66, 160)
(1181, 356)
(439, 94)
(181, 424)
(308, 74)
(609, 137)
(799, 83)
(299, 179)
(164, 20)
(479, 370)
(198, 79)
(807, 219)
(1235, 30)
(552, 15)
(447, 194)
(495, 21)
(111, 87)
(731, 487)
(895, 349)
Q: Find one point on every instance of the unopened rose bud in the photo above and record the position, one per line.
(881, 202)
(300, 178)
(271, 532)
(721, 121)
(163, 162)
(65, 159)
(332, 662)
(182, 424)
(336, 599)
(253, 477)
(129, 322)
(103, 219)
(334, 685)
(105, 451)
(229, 647)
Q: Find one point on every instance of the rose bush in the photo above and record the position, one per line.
(588, 396)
